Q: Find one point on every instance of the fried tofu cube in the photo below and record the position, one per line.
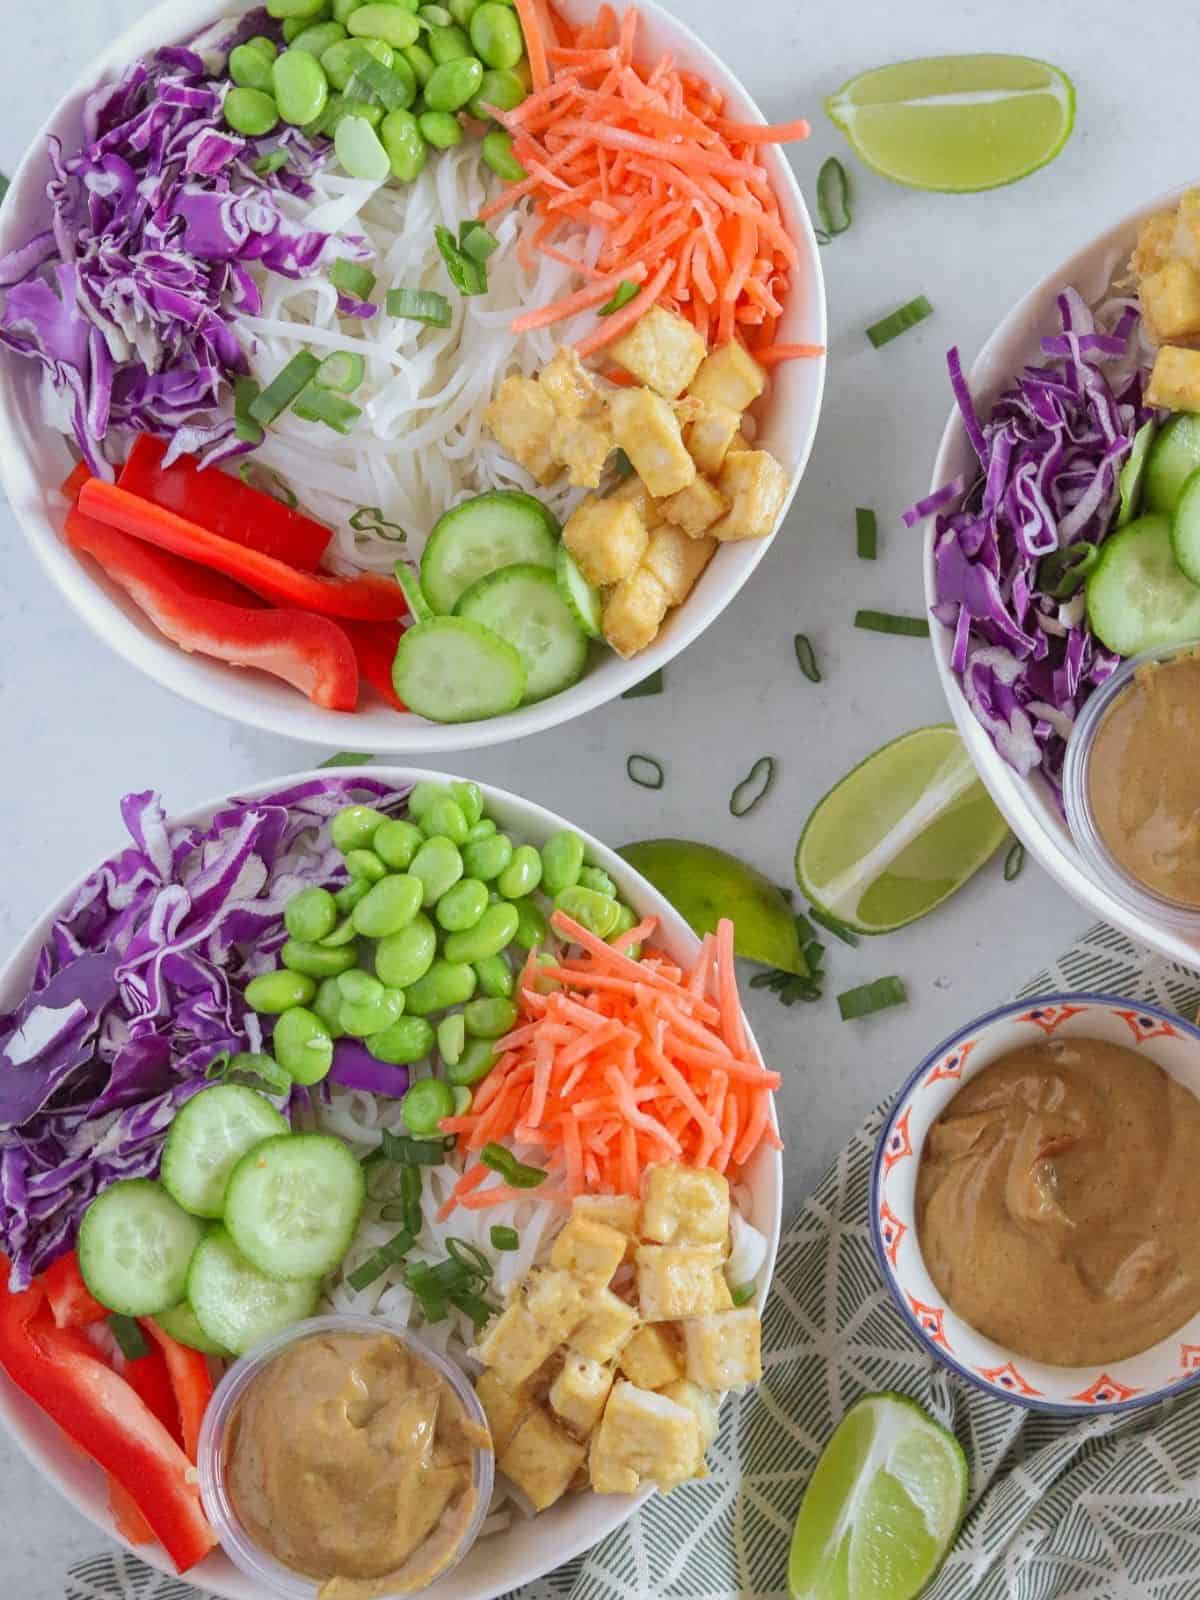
(677, 560)
(504, 1408)
(1175, 381)
(651, 1359)
(607, 538)
(695, 508)
(710, 435)
(676, 1280)
(634, 492)
(606, 1328)
(647, 1435)
(662, 350)
(1154, 243)
(569, 384)
(648, 431)
(514, 1346)
(1171, 299)
(633, 612)
(620, 1211)
(591, 1250)
(755, 485)
(729, 376)
(725, 1351)
(685, 1205)
(521, 420)
(541, 1459)
(704, 1406)
(583, 445)
(580, 1390)
(556, 1301)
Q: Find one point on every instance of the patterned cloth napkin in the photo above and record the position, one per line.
(1058, 1509)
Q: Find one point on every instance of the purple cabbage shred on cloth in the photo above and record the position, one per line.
(138, 992)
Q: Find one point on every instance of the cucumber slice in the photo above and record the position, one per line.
(584, 601)
(1133, 473)
(453, 670)
(1174, 456)
(481, 536)
(182, 1324)
(135, 1246)
(293, 1204)
(237, 1306)
(414, 596)
(208, 1138)
(524, 605)
(1137, 598)
(1185, 529)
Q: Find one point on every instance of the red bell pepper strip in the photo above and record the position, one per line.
(202, 611)
(369, 597)
(62, 1373)
(71, 1301)
(374, 646)
(127, 1519)
(79, 475)
(224, 505)
(189, 1379)
(150, 1379)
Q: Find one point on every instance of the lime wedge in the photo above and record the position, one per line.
(901, 832)
(957, 122)
(882, 1508)
(703, 884)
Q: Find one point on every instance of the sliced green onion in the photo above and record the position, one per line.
(1014, 861)
(410, 1194)
(245, 393)
(267, 481)
(256, 1064)
(476, 1307)
(284, 389)
(388, 1255)
(866, 532)
(371, 80)
(370, 519)
(510, 1169)
(407, 1152)
(805, 658)
(821, 236)
(804, 929)
(348, 758)
(467, 275)
(833, 197)
(788, 986)
(341, 372)
(742, 1295)
(1062, 572)
(273, 161)
(755, 786)
(505, 1238)
(476, 241)
(419, 305)
(871, 997)
(651, 685)
(351, 279)
(323, 405)
(394, 1211)
(899, 321)
(839, 930)
(469, 1255)
(645, 771)
(892, 622)
(626, 292)
(219, 1065)
(128, 1335)
(420, 1279)
(622, 463)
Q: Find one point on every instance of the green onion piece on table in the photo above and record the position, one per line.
(892, 622)
(342, 371)
(805, 658)
(285, 388)
(866, 532)
(505, 1238)
(1014, 861)
(651, 685)
(899, 321)
(419, 305)
(128, 1335)
(645, 771)
(510, 1169)
(625, 292)
(871, 997)
(755, 786)
(349, 278)
(348, 758)
(323, 405)
(833, 198)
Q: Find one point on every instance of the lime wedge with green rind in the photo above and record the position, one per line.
(899, 834)
(705, 884)
(882, 1507)
(957, 123)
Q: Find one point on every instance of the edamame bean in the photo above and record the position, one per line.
(303, 1045)
(596, 878)
(276, 992)
(289, 9)
(463, 906)
(436, 16)
(500, 88)
(477, 1060)
(341, 107)
(470, 799)
(408, 1039)
(318, 960)
(250, 111)
(344, 9)
(319, 37)
(365, 1017)
(437, 863)
(489, 1019)
(445, 815)
(451, 1036)
(422, 64)
(403, 957)
(393, 24)
(268, 46)
(522, 875)
(597, 913)
(488, 857)
(626, 918)
(391, 905)
(495, 977)
(359, 987)
(424, 1106)
(250, 68)
(496, 35)
(494, 930)
(343, 933)
(462, 10)
(448, 44)
(452, 85)
(483, 829)
(532, 927)
(301, 88)
(341, 61)
(447, 983)
(353, 827)
(406, 148)
(310, 915)
(496, 149)
(397, 843)
(562, 860)
(348, 897)
(327, 1003)
(423, 795)
(365, 864)
(439, 129)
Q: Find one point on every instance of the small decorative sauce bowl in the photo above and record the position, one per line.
(1162, 1370)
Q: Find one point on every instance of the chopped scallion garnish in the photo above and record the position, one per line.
(806, 659)
(284, 389)
(755, 786)
(871, 997)
(267, 481)
(407, 1152)
(469, 1255)
(651, 685)
(372, 81)
(866, 533)
(273, 161)
(510, 1169)
(348, 758)
(476, 241)
(833, 197)
(245, 393)
(410, 1195)
(892, 622)
(377, 1263)
(351, 279)
(899, 321)
(1062, 572)
(476, 1307)
(419, 305)
(466, 274)
(626, 291)
(260, 1067)
(505, 1238)
(323, 405)
(742, 1294)
(342, 371)
(839, 930)
(370, 519)
(646, 771)
(128, 1335)
(1014, 861)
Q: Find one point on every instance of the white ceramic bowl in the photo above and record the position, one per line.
(1162, 1370)
(34, 461)
(1029, 804)
(531, 1548)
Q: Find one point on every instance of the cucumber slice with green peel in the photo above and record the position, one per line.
(582, 599)
(293, 1204)
(454, 670)
(524, 605)
(182, 1325)
(237, 1306)
(480, 536)
(1174, 456)
(1137, 597)
(135, 1247)
(208, 1137)
(1133, 473)
(414, 596)
(1185, 529)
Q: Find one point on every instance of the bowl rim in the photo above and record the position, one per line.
(257, 701)
(988, 1019)
(18, 966)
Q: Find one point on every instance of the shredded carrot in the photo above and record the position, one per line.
(774, 353)
(535, 42)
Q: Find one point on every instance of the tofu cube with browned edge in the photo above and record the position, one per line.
(685, 1205)
(645, 1435)
(504, 1408)
(521, 420)
(514, 1346)
(729, 376)
(620, 1211)
(695, 508)
(704, 1405)
(653, 1357)
(541, 1459)
(569, 384)
(580, 1390)
(556, 1301)
(677, 560)
(633, 611)
(591, 1250)
(709, 436)
(1171, 300)
(647, 429)
(583, 445)
(677, 1280)
(1175, 380)
(1154, 243)
(724, 1351)
(607, 538)
(755, 485)
(606, 1328)
(632, 491)
(662, 350)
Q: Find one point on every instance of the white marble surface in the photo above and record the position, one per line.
(80, 728)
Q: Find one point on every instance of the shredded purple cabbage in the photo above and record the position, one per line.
(138, 992)
(1050, 456)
